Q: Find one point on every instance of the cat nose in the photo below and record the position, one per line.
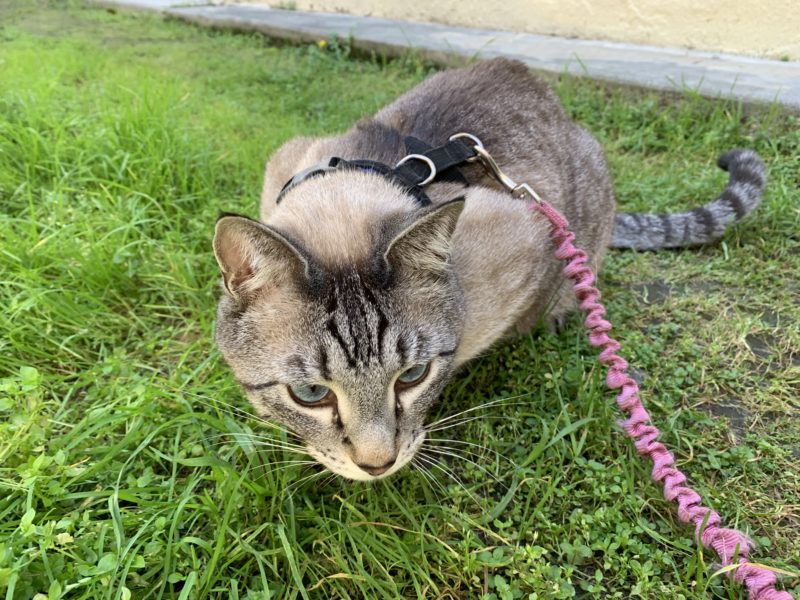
(375, 471)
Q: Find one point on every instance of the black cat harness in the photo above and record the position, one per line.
(413, 172)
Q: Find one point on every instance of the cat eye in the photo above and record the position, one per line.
(412, 376)
(311, 395)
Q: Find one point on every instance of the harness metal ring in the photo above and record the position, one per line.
(478, 143)
(424, 159)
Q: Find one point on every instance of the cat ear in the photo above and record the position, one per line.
(424, 245)
(252, 255)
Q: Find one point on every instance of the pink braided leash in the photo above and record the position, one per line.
(729, 544)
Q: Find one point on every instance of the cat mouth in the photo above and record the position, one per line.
(344, 466)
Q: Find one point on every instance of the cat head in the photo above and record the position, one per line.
(349, 357)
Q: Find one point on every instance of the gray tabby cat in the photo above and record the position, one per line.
(347, 308)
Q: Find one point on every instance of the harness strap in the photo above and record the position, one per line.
(413, 172)
(414, 145)
(445, 158)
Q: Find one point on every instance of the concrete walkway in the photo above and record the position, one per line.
(707, 73)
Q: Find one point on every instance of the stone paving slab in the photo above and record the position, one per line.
(707, 73)
(156, 5)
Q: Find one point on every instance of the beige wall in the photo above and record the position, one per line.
(768, 28)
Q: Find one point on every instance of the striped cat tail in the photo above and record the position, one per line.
(644, 231)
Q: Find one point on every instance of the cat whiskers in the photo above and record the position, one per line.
(294, 486)
(257, 440)
(454, 453)
(510, 401)
(282, 465)
(432, 443)
(300, 453)
(432, 461)
(466, 443)
(233, 409)
(244, 414)
(439, 451)
(432, 482)
(466, 420)
(329, 479)
(425, 463)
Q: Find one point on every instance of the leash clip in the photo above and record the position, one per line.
(519, 190)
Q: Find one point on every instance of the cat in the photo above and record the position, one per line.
(348, 306)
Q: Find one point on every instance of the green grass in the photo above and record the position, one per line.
(128, 467)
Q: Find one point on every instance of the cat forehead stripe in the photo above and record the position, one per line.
(356, 321)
